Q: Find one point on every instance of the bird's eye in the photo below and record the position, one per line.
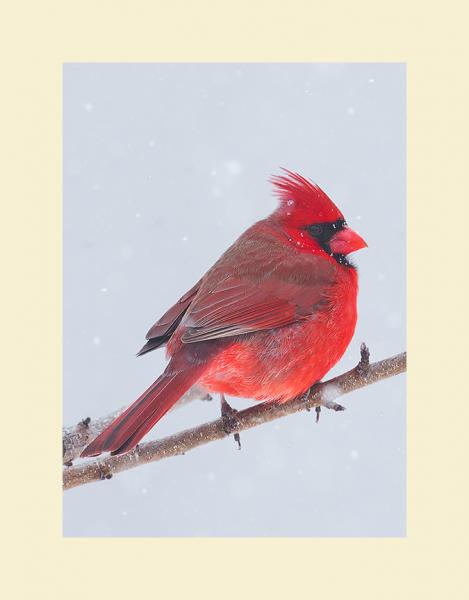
(316, 230)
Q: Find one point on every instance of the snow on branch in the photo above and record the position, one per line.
(321, 394)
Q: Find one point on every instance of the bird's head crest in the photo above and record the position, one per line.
(302, 202)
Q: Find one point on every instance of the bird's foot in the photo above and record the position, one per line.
(230, 421)
(330, 405)
(318, 403)
(309, 395)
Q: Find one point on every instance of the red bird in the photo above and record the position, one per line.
(267, 321)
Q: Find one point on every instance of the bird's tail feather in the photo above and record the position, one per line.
(129, 428)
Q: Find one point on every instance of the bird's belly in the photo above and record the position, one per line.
(282, 363)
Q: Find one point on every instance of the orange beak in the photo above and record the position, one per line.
(346, 241)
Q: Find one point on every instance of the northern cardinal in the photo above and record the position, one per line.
(267, 321)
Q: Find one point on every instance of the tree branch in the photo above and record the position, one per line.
(321, 394)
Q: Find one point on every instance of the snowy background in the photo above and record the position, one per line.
(164, 166)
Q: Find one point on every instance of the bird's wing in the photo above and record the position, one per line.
(164, 328)
(286, 291)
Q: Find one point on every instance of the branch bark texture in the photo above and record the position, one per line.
(322, 394)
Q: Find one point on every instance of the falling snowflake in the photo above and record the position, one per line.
(233, 167)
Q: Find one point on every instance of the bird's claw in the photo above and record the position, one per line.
(330, 405)
(318, 412)
(308, 395)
